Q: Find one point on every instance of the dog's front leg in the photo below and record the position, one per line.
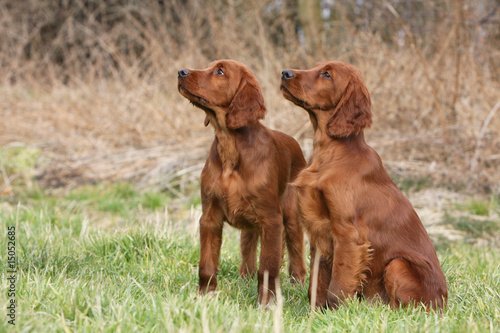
(249, 242)
(351, 260)
(321, 272)
(210, 244)
(270, 257)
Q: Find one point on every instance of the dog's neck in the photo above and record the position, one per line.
(227, 141)
(324, 143)
(227, 148)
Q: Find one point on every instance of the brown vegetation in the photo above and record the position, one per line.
(93, 83)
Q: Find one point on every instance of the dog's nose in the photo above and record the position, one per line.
(182, 73)
(287, 74)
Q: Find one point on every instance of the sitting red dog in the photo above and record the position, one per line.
(371, 240)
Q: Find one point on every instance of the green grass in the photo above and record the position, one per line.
(106, 258)
(119, 198)
(76, 276)
(408, 184)
(18, 158)
(482, 207)
(477, 219)
(474, 229)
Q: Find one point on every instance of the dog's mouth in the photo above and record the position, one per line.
(291, 97)
(194, 99)
(197, 101)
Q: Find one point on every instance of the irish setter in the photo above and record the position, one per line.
(370, 239)
(245, 179)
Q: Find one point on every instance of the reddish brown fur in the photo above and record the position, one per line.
(244, 181)
(371, 240)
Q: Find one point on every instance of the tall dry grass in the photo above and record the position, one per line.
(93, 83)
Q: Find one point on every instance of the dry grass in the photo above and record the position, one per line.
(94, 86)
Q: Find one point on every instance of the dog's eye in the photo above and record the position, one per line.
(219, 72)
(326, 75)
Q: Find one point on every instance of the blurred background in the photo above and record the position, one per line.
(88, 88)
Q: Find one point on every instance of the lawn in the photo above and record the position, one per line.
(110, 257)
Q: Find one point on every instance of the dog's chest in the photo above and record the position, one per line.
(235, 199)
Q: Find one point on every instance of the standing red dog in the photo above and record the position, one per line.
(244, 181)
(371, 240)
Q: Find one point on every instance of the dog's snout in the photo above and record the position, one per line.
(182, 73)
(287, 74)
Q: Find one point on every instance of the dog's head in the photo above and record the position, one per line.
(333, 93)
(226, 90)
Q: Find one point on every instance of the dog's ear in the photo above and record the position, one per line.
(353, 112)
(247, 106)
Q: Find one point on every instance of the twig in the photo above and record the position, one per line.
(278, 310)
(486, 123)
(314, 284)
(265, 288)
(487, 18)
(458, 22)
(6, 179)
(421, 58)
